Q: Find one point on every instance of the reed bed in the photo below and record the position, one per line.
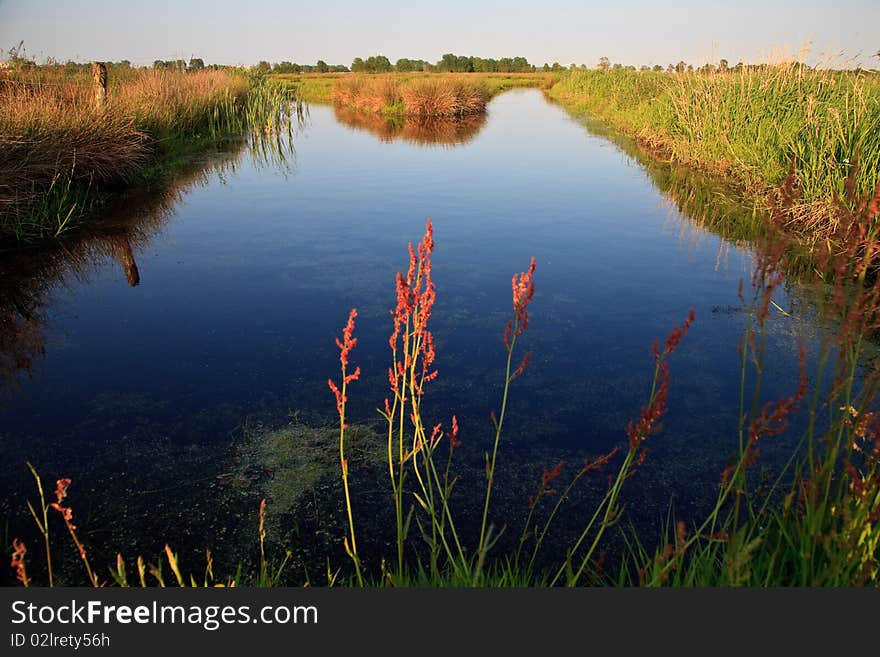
(58, 148)
(755, 125)
(319, 87)
(432, 96)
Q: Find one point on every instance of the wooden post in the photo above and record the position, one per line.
(99, 75)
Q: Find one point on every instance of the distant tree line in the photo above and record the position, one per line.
(381, 64)
(449, 63)
(723, 66)
(290, 67)
(194, 64)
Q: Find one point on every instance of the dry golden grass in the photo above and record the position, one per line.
(437, 96)
(52, 131)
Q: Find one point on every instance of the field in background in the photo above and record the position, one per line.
(318, 87)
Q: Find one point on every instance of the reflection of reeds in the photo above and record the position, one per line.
(127, 227)
(701, 204)
(435, 96)
(424, 131)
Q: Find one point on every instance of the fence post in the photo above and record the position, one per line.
(99, 75)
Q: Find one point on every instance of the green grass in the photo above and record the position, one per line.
(754, 126)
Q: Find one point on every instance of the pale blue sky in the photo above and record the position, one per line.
(631, 32)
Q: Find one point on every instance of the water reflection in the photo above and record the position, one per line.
(424, 131)
(240, 296)
(28, 278)
(701, 206)
(132, 223)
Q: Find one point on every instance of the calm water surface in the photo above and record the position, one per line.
(246, 276)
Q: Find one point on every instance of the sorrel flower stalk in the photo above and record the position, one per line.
(608, 511)
(548, 476)
(413, 354)
(523, 288)
(66, 512)
(345, 345)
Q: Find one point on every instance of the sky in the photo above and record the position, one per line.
(626, 31)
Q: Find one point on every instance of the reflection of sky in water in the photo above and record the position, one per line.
(243, 292)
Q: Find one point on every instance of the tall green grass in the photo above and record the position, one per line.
(756, 125)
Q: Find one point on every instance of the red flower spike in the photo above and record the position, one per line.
(61, 487)
(549, 476)
(678, 333)
(600, 462)
(523, 293)
(348, 342)
(522, 365)
(18, 552)
(453, 439)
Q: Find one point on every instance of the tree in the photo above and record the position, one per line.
(377, 64)
(723, 65)
(196, 64)
(604, 63)
(321, 66)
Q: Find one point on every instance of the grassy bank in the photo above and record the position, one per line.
(318, 87)
(61, 153)
(755, 126)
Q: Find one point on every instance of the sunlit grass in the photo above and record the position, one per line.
(755, 125)
(58, 149)
(318, 87)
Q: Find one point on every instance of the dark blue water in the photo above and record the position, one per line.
(248, 275)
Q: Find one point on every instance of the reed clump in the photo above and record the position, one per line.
(58, 149)
(755, 125)
(431, 96)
